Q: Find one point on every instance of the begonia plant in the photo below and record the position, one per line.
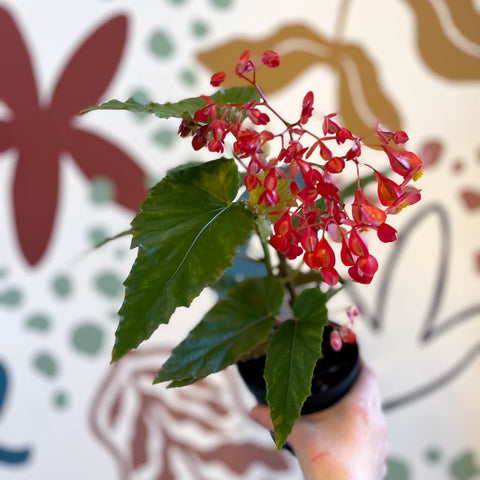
(279, 182)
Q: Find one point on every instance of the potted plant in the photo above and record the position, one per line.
(280, 185)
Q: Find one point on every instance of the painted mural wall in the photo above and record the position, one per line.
(67, 182)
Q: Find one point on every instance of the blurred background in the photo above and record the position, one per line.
(67, 182)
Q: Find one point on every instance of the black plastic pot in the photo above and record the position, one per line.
(334, 375)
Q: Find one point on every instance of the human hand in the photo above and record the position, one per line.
(344, 442)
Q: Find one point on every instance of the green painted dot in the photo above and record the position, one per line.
(141, 96)
(177, 2)
(188, 77)
(38, 321)
(60, 400)
(62, 286)
(102, 190)
(120, 253)
(433, 455)
(160, 44)
(97, 235)
(164, 137)
(464, 467)
(221, 3)
(109, 284)
(397, 470)
(3, 272)
(200, 28)
(11, 297)
(45, 364)
(87, 338)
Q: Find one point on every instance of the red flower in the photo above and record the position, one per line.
(217, 79)
(307, 108)
(42, 132)
(270, 59)
(244, 64)
(406, 164)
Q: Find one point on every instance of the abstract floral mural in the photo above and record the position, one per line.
(70, 181)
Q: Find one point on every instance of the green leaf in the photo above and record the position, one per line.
(237, 324)
(186, 107)
(243, 94)
(187, 232)
(291, 358)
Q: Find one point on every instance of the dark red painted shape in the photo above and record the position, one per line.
(41, 133)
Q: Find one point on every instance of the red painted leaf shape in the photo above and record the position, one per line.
(17, 82)
(430, 153)
(5, 136)
(91, 68)
(99, 158)
(140, 439)
(448, 37)
(471, 199)
(149, 432)
(35, 199)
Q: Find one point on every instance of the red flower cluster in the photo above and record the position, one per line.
(309, 215)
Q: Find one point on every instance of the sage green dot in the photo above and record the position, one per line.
(397, 470)
(221, 3)
(102, 190)
(109, 284)
(3, 272)
(120, 253)
(433, 455)
(188, 77)
(164, 137)
(60, 400)
(160, 44)
(97, 235)
(464, 467)
(177, 2)
(11, 297)
(38, 321)
(141, 96)
(62, 286)
(45, 364)
(200, 28)
(87, 338)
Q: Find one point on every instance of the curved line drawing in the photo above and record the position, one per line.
(432, 327)
(435, 384)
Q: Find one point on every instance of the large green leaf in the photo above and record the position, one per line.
(186, 107)
(295, 348)
(232, 328)
(187, 232)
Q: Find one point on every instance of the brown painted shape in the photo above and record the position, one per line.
(362, 100)
(471, 199)
(447, 41)
(430, 153)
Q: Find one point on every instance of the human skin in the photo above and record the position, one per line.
(347, 441)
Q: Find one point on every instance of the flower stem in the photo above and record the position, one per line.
(285, 274)
(266, 253)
